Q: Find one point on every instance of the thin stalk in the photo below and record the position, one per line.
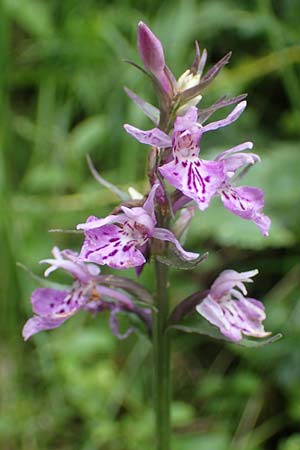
(161, 350)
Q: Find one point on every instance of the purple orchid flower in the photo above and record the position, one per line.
(68, 261)
(52, 307)
(246, 202)
(121, 241)
(194, 177)
(227, 307)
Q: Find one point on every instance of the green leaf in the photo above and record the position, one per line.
(205, 328)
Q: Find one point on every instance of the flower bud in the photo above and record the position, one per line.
(150, 49)
(186, 81)
(152, 55)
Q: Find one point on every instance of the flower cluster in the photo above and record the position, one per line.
(140, 228)
(199, 180)
(52, 307)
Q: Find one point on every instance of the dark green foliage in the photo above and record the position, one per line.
(61, 97)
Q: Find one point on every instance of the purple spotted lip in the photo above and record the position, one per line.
(121, 241)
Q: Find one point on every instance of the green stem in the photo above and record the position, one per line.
(161, 350)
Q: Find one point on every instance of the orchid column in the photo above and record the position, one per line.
(146, 228)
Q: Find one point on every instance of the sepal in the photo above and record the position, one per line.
(204, 114)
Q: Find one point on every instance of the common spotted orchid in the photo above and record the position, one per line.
(138, 228)
(199, 179)
(246, 202)
(228, 307)
(196, 178)
(122, 240)
(52, 307)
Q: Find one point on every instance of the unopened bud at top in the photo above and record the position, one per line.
(150, 49)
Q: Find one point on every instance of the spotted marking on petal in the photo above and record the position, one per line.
(195, 178)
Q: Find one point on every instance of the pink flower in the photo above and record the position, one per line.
(196, 178)
(52, 307)
(246, 202)
(227, 307)
(122, 241)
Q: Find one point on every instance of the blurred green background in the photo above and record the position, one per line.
(61, 97)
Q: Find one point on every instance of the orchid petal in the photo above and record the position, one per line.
(48, 301)
(195, 178)
(263, 222)
(236, 149)
(149, 205)
(204, 114)
(247, 202)
(230, 278)
(36, 324)
(115, 326)
(154, 137)
(110, 245)
(188, 120)
(140, 218)
(232, 117)
(93, 222)
(68, 261)
(53, 307)
(166, 235)
(233, 159)
(212, 311)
